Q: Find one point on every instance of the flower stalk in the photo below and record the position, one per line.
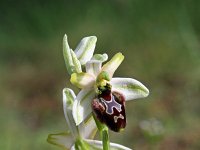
(80, 145)
(105, 139)
(103, 129)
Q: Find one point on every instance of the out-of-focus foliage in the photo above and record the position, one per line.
(161, 44)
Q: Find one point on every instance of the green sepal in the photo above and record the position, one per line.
(63, 140)
(71, 61)
(85, 49)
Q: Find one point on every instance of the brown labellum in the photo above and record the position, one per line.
(109, 108)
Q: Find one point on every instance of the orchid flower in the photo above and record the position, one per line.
(100, 93)
(79, 137)
(104, 95)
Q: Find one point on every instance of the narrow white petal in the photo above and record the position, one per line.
(93, 67)
(130, 88)
(111, 66)
(82, 105)
(113, 146)
(100, 57)
(85, 49)
(63, 140)
(68, 100)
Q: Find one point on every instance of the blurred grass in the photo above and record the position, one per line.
(160, 40)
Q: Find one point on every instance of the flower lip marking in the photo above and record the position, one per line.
(109, 108)
(117, 117)
(110, 105)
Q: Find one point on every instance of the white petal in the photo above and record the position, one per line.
(82, 80)
(113, 146)
(100, 57)
(82, 105)
(130, 88)
(63, 140)
(111, 66)
(68, 100)
(93, 67)
(88, 128)
(85, 49)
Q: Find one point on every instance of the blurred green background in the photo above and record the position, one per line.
(161, 44)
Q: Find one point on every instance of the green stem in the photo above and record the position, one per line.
(103, 129)
(80, 145)
(105, 139)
